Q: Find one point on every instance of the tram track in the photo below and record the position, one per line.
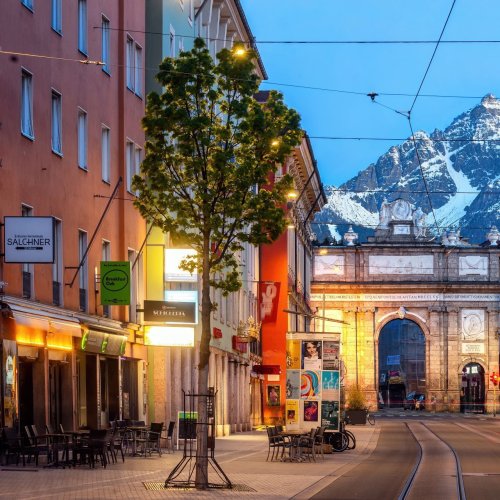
(425, 477)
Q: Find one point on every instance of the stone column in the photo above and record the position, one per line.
(349, 337)
(219, 397)
(224, 388)
(437, 358)
(452, 396)
(366, 354)
(491, 334)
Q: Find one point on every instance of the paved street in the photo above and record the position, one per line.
(378, 468)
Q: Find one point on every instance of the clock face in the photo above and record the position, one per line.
(401, 210)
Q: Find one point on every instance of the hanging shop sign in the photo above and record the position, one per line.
(269, 294)
(103, 343)
(115, 283)
(158, 311)
(29, 240)
(169, 336)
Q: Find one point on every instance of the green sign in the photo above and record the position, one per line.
(115, 283)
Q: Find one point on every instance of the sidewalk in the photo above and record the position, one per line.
(241, 456)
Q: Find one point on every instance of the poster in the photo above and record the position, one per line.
(9, 368)
(311, 354)
(310, 384)
(293, 354)
(330, 415)
(273, 395)
(330, 384)
(311, 411)
(293, 384)
(292, 412)
(331, 355)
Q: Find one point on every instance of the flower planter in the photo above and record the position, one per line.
(356, 417)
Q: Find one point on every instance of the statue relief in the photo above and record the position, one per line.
(472, 324)
(419, 223)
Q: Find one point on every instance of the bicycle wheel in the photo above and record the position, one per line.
(339, 441)
(352, 440)
(371, 419)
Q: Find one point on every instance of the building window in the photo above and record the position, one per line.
(56, 18)
(133, 161)
(134, 66)
(28, 4)
(82, 26)
(57, 266)
(82, 139)
(56, 123)
(27, 269)
(105, 44)
(190, 11)
(27, 104)
(106, 257)
(138, 70)
(172, 42)
(82, 276)
(105, 154)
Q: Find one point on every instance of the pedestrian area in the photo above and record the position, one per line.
(241, 456)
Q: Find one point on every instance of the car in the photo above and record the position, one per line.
(414, 401)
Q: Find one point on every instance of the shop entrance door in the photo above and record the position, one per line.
(26, 409)
(55, 394)
(473, 389)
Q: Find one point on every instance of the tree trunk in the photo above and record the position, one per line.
(201, 478)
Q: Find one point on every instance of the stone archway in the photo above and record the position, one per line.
(401, 361)
(472, 388)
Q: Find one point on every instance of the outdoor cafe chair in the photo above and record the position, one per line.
(170, 436)
(149, 439)
(12, 445)
(319, 441)
(92, 448)
(308, 446)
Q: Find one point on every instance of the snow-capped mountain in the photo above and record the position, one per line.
(460, 169)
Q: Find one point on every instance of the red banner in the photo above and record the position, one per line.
(269, 294)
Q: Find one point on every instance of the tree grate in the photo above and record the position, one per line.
(160, 486)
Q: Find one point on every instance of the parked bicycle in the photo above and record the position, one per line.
(341, 440)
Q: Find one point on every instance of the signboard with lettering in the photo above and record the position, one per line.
(115, 283)
(158, 311)
(472, 348)
(29, 240)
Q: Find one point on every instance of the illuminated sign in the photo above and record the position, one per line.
(169, 336)
(173, 258)
(29, 239)
(169, 312)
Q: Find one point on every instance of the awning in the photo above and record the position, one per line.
(49, 321)
(267, 369)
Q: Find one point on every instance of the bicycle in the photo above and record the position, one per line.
(370, 418)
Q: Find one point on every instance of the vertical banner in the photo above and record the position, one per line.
(269, 294)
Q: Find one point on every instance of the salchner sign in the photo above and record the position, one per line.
(29, 240)
(115, 283)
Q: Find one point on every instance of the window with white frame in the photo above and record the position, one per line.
(82, 26)
(56, 16)
(190, 11)
(56, 133)
(27, 104)
(134, 66)
(82, 139)
(171, 47)
(138, 70)
(105, 44)
(28, 4)
(133, 161)
(105, 154)
(57, 266)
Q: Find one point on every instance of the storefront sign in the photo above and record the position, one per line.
(115, 283)
(169, 312)
(29, 240)
(169, 336)
(103, 343)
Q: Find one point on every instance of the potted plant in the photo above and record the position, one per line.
(355, 406)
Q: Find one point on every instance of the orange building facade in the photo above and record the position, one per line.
(71, 101)
(286, 266)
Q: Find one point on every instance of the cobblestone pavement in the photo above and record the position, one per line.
(242, 457)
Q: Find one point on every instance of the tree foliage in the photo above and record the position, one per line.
(210, 150)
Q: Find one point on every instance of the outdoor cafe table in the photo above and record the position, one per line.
(294, 435)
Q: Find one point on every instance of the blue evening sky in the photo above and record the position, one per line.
(457, 69)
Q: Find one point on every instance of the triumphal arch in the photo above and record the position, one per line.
(417, 312)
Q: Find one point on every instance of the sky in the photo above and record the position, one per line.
(467, 70)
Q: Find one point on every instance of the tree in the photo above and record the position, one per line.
(210, 151)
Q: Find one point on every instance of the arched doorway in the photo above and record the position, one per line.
(401, 361)
(472, 389)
